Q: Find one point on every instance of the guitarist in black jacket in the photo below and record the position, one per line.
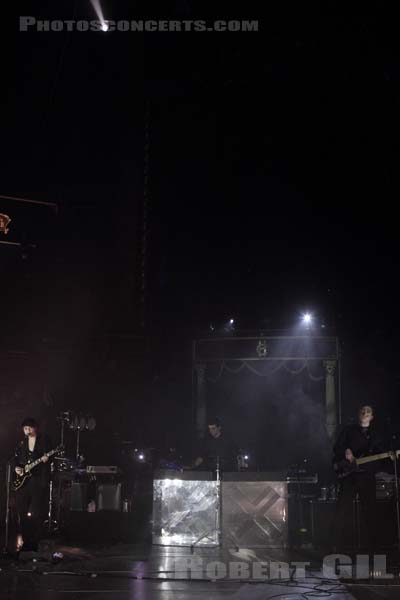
(31, 497)
(356, 441)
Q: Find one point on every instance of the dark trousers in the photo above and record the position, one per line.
(362, 484)
(31, 498)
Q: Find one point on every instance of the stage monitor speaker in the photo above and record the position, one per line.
(78, 496)
(108, 496)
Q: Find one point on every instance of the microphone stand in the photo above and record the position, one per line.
(5, 552)
(218, 529)
(218, 507)
(217, 523)
(65, 417)
(50, 524)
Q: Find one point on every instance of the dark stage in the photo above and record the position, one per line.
(199, 306)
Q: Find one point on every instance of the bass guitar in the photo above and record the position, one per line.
(344, 468)
(20, 480)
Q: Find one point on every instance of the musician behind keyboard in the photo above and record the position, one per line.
(31, 497)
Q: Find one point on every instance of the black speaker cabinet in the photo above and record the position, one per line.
(78, 497)
(108, 496)
(322, 514)
(385, 521)
(299, 521)
(322, 524)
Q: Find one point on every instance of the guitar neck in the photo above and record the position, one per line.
(36, 462)
(366, 459)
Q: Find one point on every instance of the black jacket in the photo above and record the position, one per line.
(362, 442)
(23, 456)
(223, 448)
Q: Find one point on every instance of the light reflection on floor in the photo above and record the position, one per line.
(146, 572)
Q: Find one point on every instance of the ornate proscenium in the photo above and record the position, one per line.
(330, 403)
(260, 348)
(264, 355)
(5, 220)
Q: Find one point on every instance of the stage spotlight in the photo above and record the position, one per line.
(307, 319)
(243, 460)
(229, 326)
(139, 456)
(99, 14)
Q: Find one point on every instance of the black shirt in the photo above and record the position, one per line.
(362, 441)
(221, 448)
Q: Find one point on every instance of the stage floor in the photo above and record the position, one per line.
(142, 571)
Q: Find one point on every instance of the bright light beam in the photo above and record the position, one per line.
(307, 318)
(99, 13)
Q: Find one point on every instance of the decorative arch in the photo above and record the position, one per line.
(265, 355)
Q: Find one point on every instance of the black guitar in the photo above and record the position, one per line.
(21, 479)
(344, 468)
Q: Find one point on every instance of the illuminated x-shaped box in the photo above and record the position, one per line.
(254, 513)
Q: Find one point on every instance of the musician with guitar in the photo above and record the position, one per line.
(30, 484)
(356, 454)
